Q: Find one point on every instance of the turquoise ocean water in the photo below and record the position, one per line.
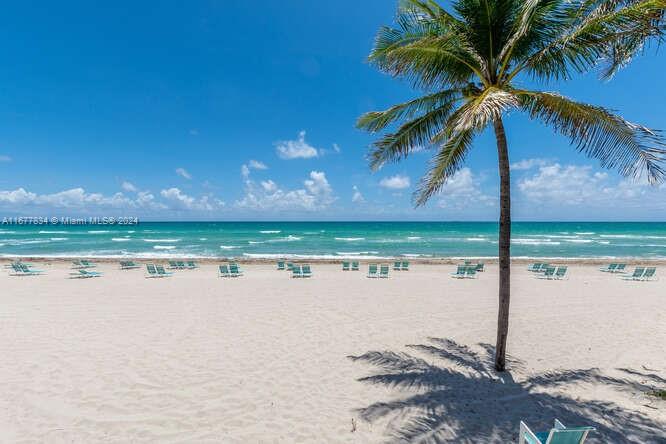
(330, 240)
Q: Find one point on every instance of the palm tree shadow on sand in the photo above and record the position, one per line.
(464, 400)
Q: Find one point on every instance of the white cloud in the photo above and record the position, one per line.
(180, 200)
(528, 164)
(5, 158)
(463, 190)
(296, 149)
(182, 172)
(397, 182)
(357, 197)
(80, 201)
(336, 148)
(128, 186)
(256, 165)
(569, 185)
(316, 194)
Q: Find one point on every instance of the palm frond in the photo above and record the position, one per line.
(631, 149)
(378, 120)
(412, 135)
(481, 109)
(448, 160)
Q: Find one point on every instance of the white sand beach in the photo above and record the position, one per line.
(265, 358)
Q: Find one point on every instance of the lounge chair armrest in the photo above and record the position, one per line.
(559, 425)
(525, 431)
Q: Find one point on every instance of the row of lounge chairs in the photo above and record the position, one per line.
(182, 265)
(641, 274)
(548, 271)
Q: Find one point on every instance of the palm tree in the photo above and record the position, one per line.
(469, 62)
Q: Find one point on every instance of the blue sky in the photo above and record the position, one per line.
(237, 110)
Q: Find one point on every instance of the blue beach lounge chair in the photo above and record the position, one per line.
(461, 272)
(306, 272)
(397, 266)
(354, 266)
(84, 274)
(559, 434)
(384, 271)
(637, 275)
(405, 266)
(345, 266)
(372, 271)
(296, 271)
(280, 265)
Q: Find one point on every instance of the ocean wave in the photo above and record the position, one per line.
(98, 231)
(579, 241)
(164, 247)
(523, 241)
(414, 238)
(59, 238)
(585, 233)
(203, 238)
(52, 232)
(355, 253)
(162, 240)
(349, 239)
(415, 255)
(477, 239)
(228, 247)
(255, 242)
(290, 238)
(120, 239)
(270, 231)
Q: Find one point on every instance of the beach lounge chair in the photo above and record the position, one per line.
(536, 267)
(235, 270)
(610, 268)
(191, 265)
(405, 266)
(156, 271)
(372, 271)
(621, 268)
(345, 266)
(461, 272)
(173, 265)
(354, 266)
(559, 434)
(480, 267)
(161, 272)
(181, 265)
(306, 272)
(296, 271)
(397, 266)
(649, 274)
(548, 273)
(560, 273)
(280, 265)
(290, 266)
(128, 265)
(471, 272)
(224, 271)
(82, 264)
(636, 275)
(84, 274)
(384, 271)
(21, 269)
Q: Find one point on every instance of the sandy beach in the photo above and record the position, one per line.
(335, 358)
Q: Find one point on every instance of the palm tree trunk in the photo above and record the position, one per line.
(504, 246)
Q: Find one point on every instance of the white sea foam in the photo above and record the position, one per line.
(290, 238)
(349, 239)
(476, 239)
(255, 242)
(271, 231)
(52, 232)
(120, 239)
(228, 247)
(203, 238)
(579, 241)
(523, 241)
(585, 233)
(98, 231)
(355, 253)
(168, 241)
(59, 238)
(414, 237)
(308, 256)
(164, 247)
